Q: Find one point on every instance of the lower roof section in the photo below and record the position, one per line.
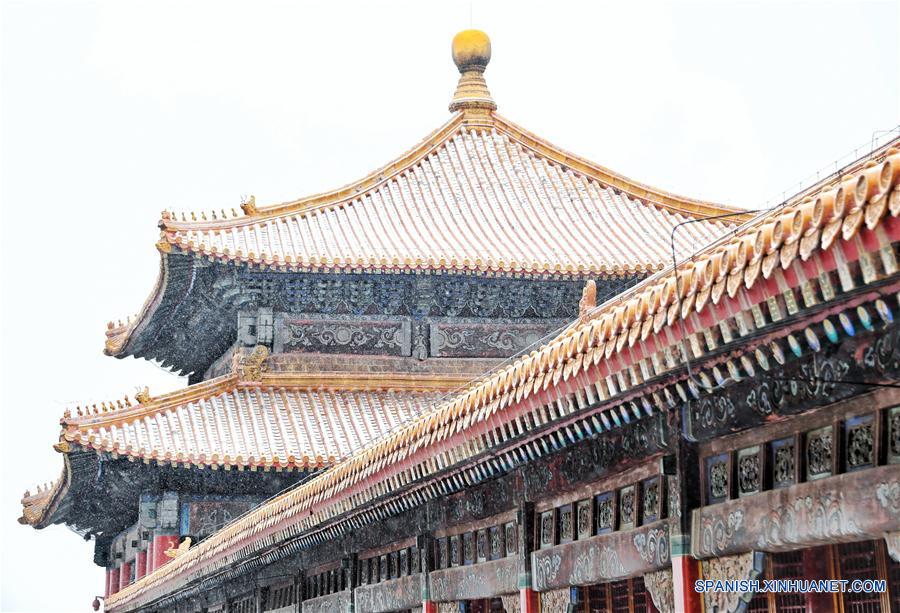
(237, 424)
(263, 416)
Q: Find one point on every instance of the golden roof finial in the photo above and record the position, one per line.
(471, 53)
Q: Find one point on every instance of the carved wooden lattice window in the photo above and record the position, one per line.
(278, 597)
(383, 567)
(498, 548)
(652, 496)
(481, 546)
(640, 599)
(627, 507)
(414, 557)
(547, 529)
(893, 435)
(511, 539)
(859, 561)
(859, 442)
(783, 460)
(593, 598)
(442, 556)
(749, 471)
(404, 562)
(244, 605)
(619, 596)
(393, 564)
(468, 548)
(373, 567)
(566, 524)
(758, 604)
(363, 570)
(584, 519)
(455, 553)
(787, 565)
(819, 453)
(717, 478)
(605, 513)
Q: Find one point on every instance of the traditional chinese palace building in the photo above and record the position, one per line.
(474, 381)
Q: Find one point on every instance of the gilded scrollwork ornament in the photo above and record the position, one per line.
(662, 590)
(745, 566)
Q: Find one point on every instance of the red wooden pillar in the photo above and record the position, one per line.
(685, 571)
(113, 581)
(528, 600)
(124, 575)
(140, 565)
(161, 543)
(108, 579)
(429, 607)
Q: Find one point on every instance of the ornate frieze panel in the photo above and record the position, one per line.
(418, 295)
(745, 566)
(391, 337)
(203, 515)
(477, 581)
(852, 506)
(473, 504)
(450, 340)
(606, 557)
(393, 595)
(594, 459)
(813, 380)
(332, 603)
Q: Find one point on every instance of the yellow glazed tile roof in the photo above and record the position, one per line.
(249, 424)
(283, 421)
(868, 198)
(487, 197)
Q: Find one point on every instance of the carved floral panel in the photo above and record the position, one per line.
(344, 336)
(819, 449)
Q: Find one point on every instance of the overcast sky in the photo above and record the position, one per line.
(112, 111)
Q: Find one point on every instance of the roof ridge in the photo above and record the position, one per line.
(94, 416)
(349, 192)
(341, 195)
(113, 412)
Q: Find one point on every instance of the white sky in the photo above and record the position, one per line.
(112, 111)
